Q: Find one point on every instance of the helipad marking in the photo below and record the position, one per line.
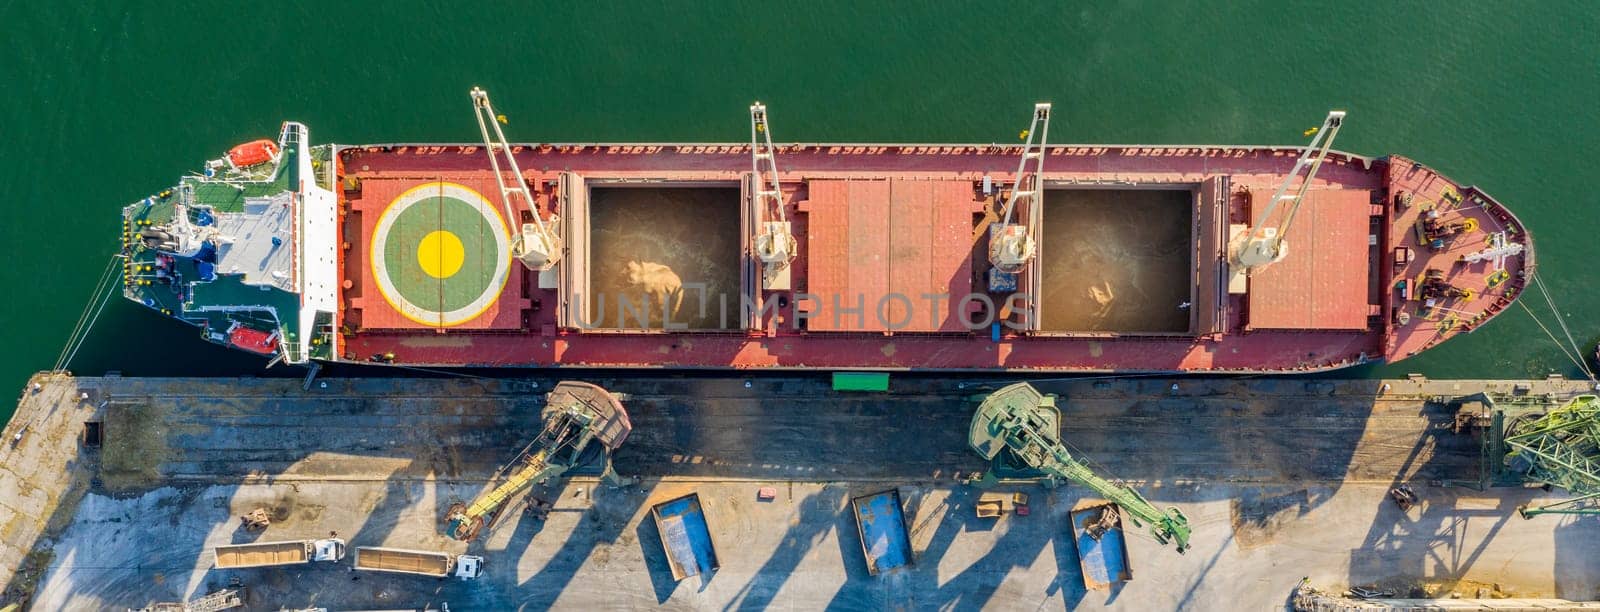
(440, 267)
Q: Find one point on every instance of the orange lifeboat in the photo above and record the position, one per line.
(253, 340)
(253, 153)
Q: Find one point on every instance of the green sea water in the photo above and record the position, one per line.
(103, 102)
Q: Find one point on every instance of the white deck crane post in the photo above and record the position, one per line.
(1012, 245)
(775, 243)
(535, 244)
(1262, 244)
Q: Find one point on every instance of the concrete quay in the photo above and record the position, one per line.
(1281, 479)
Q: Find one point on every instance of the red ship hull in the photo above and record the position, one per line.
(890, 269)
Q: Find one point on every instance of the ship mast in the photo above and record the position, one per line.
(1012, 245)
(534, 244)
(1264, 244)
(775, 244)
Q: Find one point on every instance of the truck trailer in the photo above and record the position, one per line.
(419, 562)
(269, 554)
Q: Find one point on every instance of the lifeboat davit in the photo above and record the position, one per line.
(253, 153)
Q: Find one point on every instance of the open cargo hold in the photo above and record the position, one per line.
(1119, 260)
(685, 536)
(881, 523)
(1104, 559)
(662, 256)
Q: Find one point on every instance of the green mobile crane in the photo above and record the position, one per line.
(575, 416)
(1558, 448)
(1019, 429)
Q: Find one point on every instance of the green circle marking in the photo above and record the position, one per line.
(398, 252)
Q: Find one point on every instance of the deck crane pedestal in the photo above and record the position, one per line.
(1012, 242)
(537, 245)
(1255, 247)
(775, 244)
(1018, 429)
(1558, 448)
(576, 415)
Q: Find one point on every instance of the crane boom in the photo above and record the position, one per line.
(1560, 449)
(1264, 244)
(535, 244)
(1011, 245)
(575, 415)
(1025, 423)
(775, 243)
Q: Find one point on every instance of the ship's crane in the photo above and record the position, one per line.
(1019, 429)
(576, 416)
(775, 243)
(1012, 245)
(1559, 448)
(1263, 244)
(536, 244)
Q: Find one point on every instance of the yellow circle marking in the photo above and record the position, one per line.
(441, 254)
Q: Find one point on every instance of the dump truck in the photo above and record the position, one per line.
(418, 562)
(269, 554)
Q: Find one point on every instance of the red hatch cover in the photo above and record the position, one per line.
(881, 246)
(1322, 282)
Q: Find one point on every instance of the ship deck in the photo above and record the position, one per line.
(891, 267)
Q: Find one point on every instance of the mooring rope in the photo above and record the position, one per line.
(105, 285)
(105, 299)
(1562, 321)
(1576, 359)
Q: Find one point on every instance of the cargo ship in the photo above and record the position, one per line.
(1026, 257)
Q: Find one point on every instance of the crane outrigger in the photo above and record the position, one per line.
(575, 415)
(1025, 425)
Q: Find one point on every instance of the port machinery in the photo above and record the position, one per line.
(1018, 429)
(1555, 447)
(577, 416)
